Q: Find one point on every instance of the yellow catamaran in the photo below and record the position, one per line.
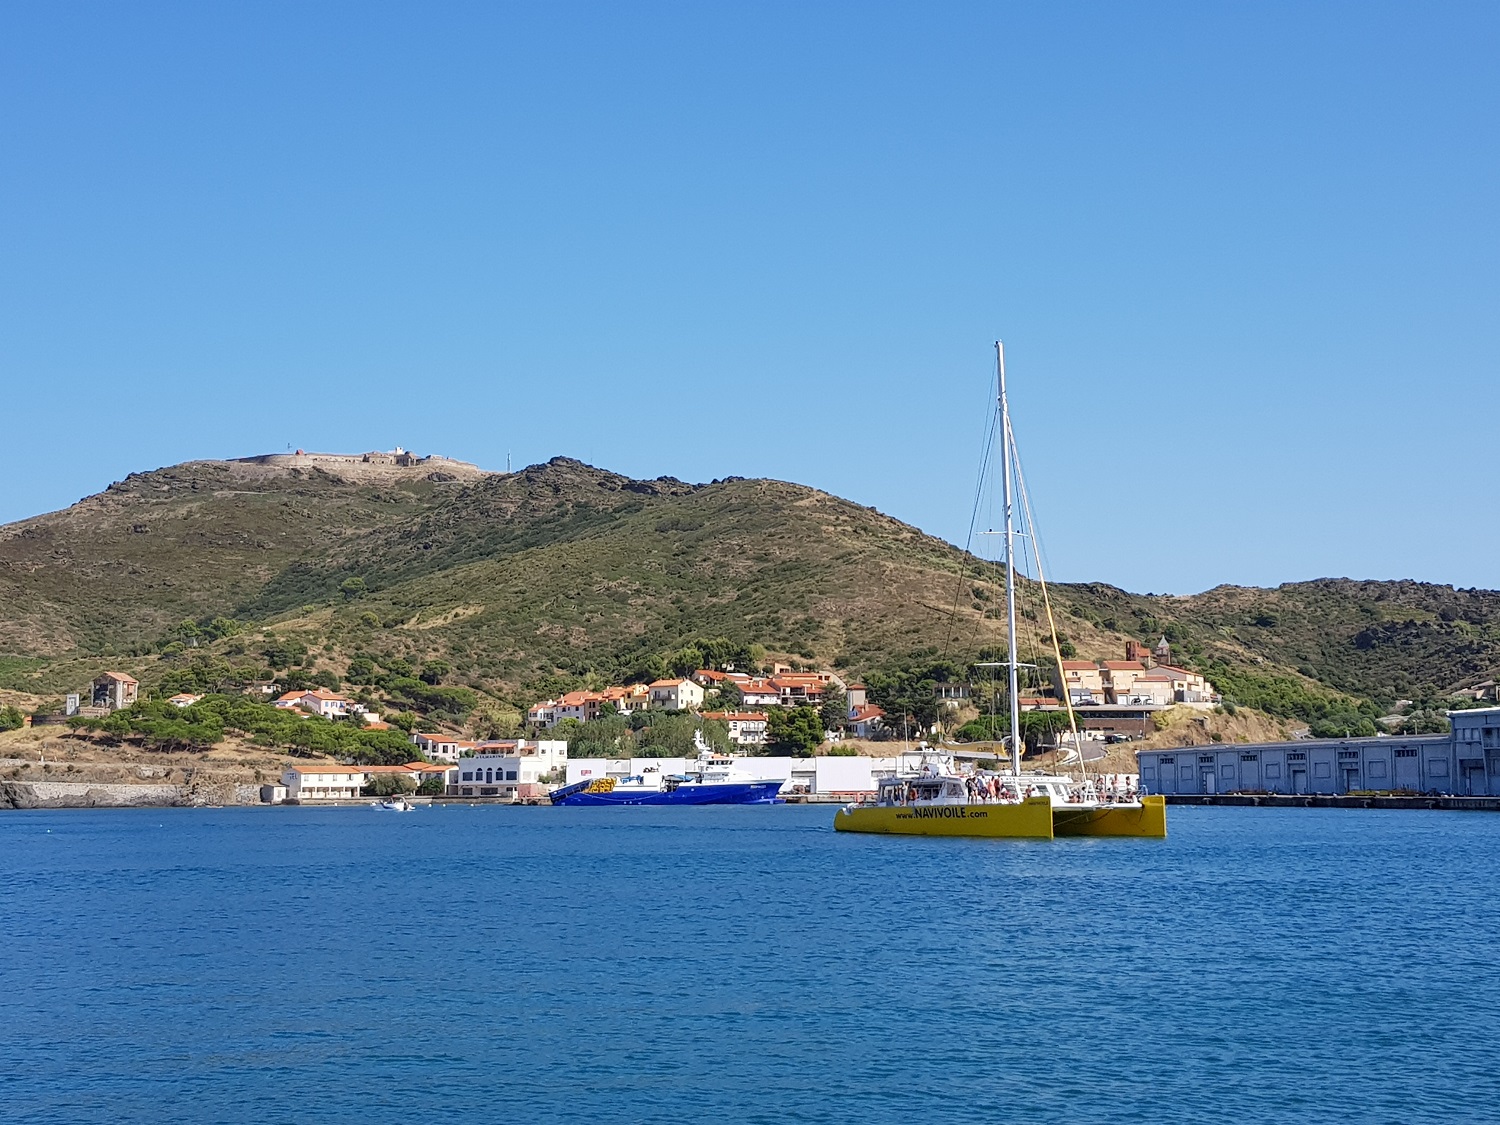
(942, 802)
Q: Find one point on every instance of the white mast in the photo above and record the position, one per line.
(1010, 571)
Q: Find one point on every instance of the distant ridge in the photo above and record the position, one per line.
(562, 569)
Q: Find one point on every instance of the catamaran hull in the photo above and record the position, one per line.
(1028, 820)
(1148, 819)
(732, 793)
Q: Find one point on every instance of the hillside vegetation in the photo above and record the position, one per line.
(562, 575)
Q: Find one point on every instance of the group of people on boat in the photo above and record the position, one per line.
(998, 788)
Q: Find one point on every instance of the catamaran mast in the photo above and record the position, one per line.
(1011, 665)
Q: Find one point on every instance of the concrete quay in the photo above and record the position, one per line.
(1340, 801)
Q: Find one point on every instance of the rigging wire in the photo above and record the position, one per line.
(963, 571)
(1047, 602)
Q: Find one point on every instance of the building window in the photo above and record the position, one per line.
(1249, 757)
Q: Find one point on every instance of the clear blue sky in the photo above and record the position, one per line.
(1244, 257)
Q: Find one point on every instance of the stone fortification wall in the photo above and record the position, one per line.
(381, 463)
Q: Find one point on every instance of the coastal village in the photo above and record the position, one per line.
(1112, 701)
(1120, 704)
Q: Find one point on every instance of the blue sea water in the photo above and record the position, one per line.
(747, 964)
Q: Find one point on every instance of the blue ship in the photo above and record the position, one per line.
(714, 782)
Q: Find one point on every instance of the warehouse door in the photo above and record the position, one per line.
(1249, 774)
(1407, 775)
(1474, 779)
(1206, 779)
(1299, 779)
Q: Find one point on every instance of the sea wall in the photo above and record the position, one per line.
(96, 795)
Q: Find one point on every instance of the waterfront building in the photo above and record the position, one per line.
(1464, 762)
(449, 748)
(514, 776)
(1476, 751)
(322, 782)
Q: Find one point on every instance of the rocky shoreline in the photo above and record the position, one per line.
(105, 795)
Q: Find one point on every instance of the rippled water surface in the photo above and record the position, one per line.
(621, 965)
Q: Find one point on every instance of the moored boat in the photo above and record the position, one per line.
(941, 801)
(711, 780)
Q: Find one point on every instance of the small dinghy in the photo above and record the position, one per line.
(394, 804)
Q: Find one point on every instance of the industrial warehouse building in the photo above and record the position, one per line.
(1464, 762)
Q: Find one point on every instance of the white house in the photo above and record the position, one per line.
(184, 699)
(676, 695)
(865, 720)
(440, 747)
(329, 704)
(759, 693)
(325, 781)
(747, 728)
(543, 714)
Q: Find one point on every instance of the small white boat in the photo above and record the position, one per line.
(394, 804)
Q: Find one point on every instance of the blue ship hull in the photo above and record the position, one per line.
(728, 793)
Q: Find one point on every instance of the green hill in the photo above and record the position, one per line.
(562, 573)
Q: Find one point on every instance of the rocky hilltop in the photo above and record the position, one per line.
(562, 571)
